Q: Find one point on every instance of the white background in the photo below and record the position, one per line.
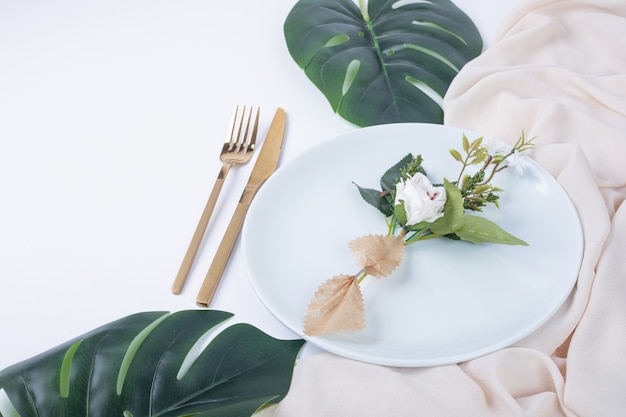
(111, 118)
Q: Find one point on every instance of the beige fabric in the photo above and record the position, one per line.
(557, 71)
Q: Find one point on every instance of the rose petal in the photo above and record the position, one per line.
(422, 201)
(378, 255)
(336, 306)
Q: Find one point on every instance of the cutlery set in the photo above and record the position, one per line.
(238, 147)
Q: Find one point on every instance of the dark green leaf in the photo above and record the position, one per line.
(132, 367)
(374, 198)
(391, 64)
(391, 177)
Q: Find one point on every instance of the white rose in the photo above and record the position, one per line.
(422, 201)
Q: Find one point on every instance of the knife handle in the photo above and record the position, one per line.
(213, 276)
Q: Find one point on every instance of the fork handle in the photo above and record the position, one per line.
(196, 240)
(214, 275)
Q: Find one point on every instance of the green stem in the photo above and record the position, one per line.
(392, 224)
(465, 163)
(419, 236)
(377, 48)
(415, 237)
(361, 277)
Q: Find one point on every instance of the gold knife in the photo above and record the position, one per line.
(264, 167)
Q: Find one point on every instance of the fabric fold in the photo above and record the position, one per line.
(557, 70)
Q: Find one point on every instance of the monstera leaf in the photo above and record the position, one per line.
(149, 364)
(390, 61)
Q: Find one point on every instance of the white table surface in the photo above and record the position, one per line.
(111, 118)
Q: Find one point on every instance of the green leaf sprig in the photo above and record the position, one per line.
(476, 189)
(470, 192)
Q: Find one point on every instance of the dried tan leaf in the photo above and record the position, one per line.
(378, 255)
(336, 306)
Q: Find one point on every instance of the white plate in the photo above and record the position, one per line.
(448, 301)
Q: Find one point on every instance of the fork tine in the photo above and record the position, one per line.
(241, 140)
(231, 129)
(236, 138)
(251, 141)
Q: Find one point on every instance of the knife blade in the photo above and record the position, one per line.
(263, 168)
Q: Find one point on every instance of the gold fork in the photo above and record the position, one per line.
(237, 150)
